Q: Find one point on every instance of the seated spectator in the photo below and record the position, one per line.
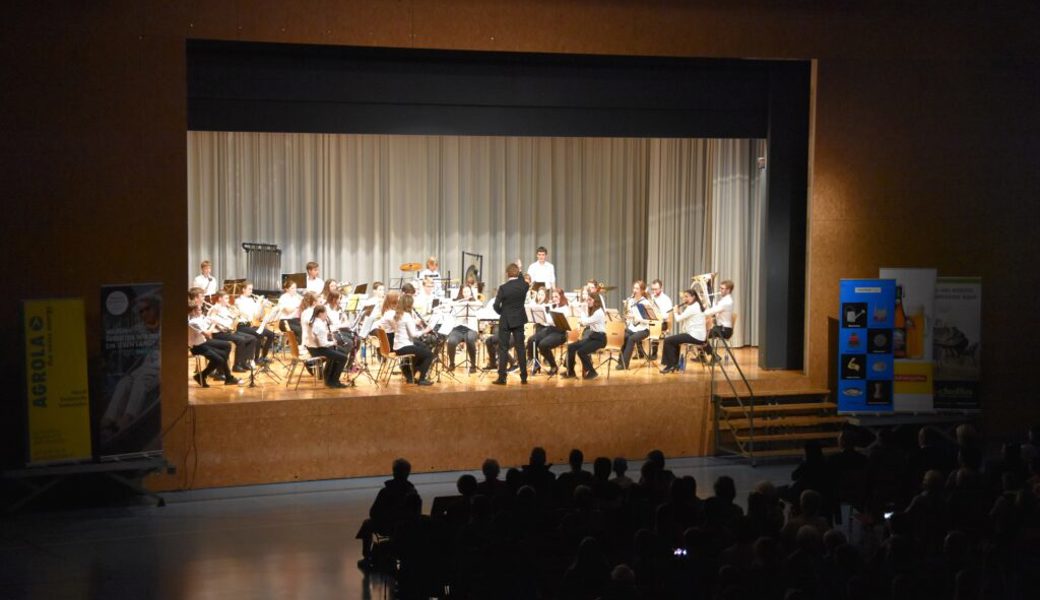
(682, 511)
(807, 513)
(620, 468)
(588, 575)
(928, 513)
(607, 493)
(812, 473)
(387, 511)
(720, 509)
(1031, 449)
(492, 487)
(537, 475)
(567, 482)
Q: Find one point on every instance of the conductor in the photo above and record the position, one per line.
(509, 304)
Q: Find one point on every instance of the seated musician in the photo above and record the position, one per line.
(722, 310)
(288, 310)
(637, 328)
(322, 343)
(550, 337)
(432, 270)
(690, 321)
(663, 304)
(251, 321)
(216, 352)
(307, 304)
(377, 291)
(464, 309)
(341, 326)
(595, 340)
(425, 297)
(245, 344)
(406, 338)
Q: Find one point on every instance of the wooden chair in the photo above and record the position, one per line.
(390, 358)
(316, 363)
(615, 331)
(656, 329)
(573, 335)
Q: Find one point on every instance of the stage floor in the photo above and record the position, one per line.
(267, 389)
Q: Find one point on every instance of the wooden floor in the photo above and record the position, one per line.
(266, 389)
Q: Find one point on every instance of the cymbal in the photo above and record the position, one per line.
(411, 267)
(609, 288)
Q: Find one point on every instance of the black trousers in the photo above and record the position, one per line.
(511, 338)
(671, 347)
(264, 339)
(720, 331)
(245, 346)
(294, 326)
(334, 362)
(216, 356)
(632, 339)
(458, 335)
(546, 340)
(584, 349)
(422, 359)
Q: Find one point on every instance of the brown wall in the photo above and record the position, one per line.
(924, 144)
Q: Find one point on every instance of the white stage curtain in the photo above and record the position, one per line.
(617, 209)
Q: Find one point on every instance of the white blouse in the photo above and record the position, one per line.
(595, 322)
(691, 320)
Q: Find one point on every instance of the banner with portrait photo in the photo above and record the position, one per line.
(128, 417)
(956, 343)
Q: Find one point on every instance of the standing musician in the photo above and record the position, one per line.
(542, 271)
(288, 309)
(251, 314)
(722, 310)
(690, 320)
(216, 352)
(322, 343)
(206, 280)
(406, 338)
(464, 309)
(551, 337)
(314, 281)
(245, 344)
(432, 270)
(663, 304)
(595, 339)
(638, 328)
(509, 304)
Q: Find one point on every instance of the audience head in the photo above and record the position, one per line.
(575, 459)
(832, 539)
(537, 458)
(490, 469)
(808, 539)
(402, 469)
(657, 457)
(583, 497)
(620, 466)
(810, 502)
(466, 485)
(933, 481)
(725, 488)
(601, 468)
(514, 478)
(966, 435)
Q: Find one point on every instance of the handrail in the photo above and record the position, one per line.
(749, 410)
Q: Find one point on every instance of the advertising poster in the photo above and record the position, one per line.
(956, 343)
(129, 418)
(56, 381)
(912, 338)
(865, 364)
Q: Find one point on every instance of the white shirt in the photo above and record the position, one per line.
(195, 328)
(319, 335)
(543, 272)
(423, 302)
(691, 321)
(427, 273)
(221, 315)
(335, 317)
(663, 302)
(315, 285)
(636, 322)
(724, 309)
(596, 321)
(208, 284)
(405, 331)
(289, 306)
(250, 309)
(305, 322)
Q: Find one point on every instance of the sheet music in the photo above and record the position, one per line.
(487, 312)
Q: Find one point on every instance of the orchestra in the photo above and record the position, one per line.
(431, 326)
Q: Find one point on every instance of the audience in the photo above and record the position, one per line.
(964, 529)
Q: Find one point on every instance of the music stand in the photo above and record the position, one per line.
(360, 290)
(361, 343)
(300, 279)
(234, 286)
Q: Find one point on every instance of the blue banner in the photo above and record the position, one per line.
(865, 360)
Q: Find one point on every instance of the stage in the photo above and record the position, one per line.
(268, 433)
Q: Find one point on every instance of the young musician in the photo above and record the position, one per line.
(432, 270)
(251, 314)
(216, 352)
(288, 310)
(535, 299)
(406, 338)
(307, 304)
(542, 271)
(425, 297)
(550, 337)
(314, 281)
(196, 296)
(245, 344)
(206, 280)
(322, 343)
(407, 288)
(464, 309)
(722, 310)
(595, 340)
(509, 303)
(690, 321)
(638, 328)
(375, 295)
(663, 304)
(331, 286)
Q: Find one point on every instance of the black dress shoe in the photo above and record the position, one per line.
(568, 375)
(620, 368)
(335, 384)
(552, 371)
(231, 381)
(590, 375)
(668, 370)
(240, 369)
(424, 381)
(409, 379)
(523, 381)
(200, 380)
(472, 370)
(499, 382)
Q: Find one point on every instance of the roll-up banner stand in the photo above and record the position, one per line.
(956, 343)
(56, 381)
(912, 336)
(865, 369)
(129, 420)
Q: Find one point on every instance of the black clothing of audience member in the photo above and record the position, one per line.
(607, 492)
(492, 487)
(387, 511)
(719, 510)
(589, 574)
(414, 547)
(567, 482)
(682, 511)
(888, 476)
(848, 469)
(930, 455)
(537, 475)
(812, 473)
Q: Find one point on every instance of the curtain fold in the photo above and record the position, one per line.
(617, 209)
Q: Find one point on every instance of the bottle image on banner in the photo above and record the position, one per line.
(899, 327)
(915, 333)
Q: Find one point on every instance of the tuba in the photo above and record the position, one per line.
(704, 285)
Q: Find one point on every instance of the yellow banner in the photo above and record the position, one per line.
(56, 381)
(914, 377)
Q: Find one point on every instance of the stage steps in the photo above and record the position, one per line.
(774, 423)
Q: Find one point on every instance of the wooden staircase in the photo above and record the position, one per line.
(774, 423)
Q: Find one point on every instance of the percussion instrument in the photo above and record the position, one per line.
(411, 267)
